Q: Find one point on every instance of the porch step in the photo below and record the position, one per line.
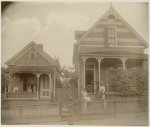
(95, 106)
(93, 97)
(67, 113)
(64, 116)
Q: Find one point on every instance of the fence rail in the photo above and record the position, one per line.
(21, 95)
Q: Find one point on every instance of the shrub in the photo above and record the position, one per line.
(130, 82)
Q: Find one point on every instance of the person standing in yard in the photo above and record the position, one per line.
(102, 93)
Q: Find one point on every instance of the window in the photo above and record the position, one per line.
(111, 36)
(32, 55)
(111, 42)
(111, 17)
(111, 32)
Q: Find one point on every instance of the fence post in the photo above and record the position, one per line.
(70, 119)
(20, 111)
(115, 109)
(60, 109)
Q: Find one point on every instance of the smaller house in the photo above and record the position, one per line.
(32, 75)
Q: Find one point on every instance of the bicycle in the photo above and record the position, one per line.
(90, 88)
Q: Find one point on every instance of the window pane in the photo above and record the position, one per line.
(43, 93)
(47, 83)
(111, 32)
(47, 94)
(43, 83)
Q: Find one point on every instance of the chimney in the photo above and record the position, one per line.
(40, 45)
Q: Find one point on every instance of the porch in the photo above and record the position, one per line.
(95, 69)
(30, 86)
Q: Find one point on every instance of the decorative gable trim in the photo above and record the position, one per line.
(27, 49)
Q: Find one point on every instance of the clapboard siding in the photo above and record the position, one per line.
(94, 39)
(125, 35)
(93, 43)
(96, 35)
(129, 44)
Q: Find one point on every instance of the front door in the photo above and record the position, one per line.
(44, 87)
(89, 76)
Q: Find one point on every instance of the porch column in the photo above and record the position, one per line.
(5, 88)
(38, 89)
(99, 69)
(10, 83)
(84, 58)
(54, 85)
(5, 92)
(79, 78)
(50, 85)
(124, 62)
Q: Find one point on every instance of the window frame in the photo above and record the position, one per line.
(111, 36)
(32, 55)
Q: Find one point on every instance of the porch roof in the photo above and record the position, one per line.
(114, 55)
(26, 69)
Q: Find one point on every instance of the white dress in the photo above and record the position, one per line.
(102, 90)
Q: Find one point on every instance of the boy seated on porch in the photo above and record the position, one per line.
(84, 97)
(15, 89)
(84, 94)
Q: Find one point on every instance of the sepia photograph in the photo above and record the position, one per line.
(74, 63)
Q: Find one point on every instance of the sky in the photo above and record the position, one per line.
(54, 25)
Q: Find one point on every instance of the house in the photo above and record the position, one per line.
(110, 43)
(32, 75)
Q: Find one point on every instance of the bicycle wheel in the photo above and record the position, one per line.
(89, 89)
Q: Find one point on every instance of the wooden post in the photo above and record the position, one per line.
(54, 85)
(99, 69)
(50, 85)
(84, 58)
(124, 62)
(5, 92)
(79, 79)
(5, 88)
(38, 89)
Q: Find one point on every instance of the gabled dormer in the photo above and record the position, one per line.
(111, 31)
(31, 55)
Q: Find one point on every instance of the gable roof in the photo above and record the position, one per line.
(111, 10)
(26, 49)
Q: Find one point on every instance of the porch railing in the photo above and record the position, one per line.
(21, 95)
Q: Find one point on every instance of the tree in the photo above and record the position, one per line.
(5, 79)
(67, 74)
(58, 68)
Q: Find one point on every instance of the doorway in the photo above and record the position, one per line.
(89, 76)
(44, 86)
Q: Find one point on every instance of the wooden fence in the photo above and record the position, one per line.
(29, 111)
(110, 108)
(64, 94)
